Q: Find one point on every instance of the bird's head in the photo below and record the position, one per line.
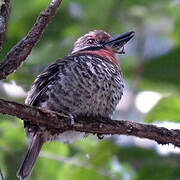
(103, 44)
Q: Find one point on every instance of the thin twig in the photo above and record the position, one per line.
(22, 49)
(62, 159)
(76, 162)
(57, 123)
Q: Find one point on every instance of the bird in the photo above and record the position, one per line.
(88, 82)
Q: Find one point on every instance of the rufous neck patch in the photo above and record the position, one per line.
(107, 53)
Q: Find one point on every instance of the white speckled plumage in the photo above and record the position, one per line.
(86, 83)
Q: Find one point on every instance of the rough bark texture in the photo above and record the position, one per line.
(56, 121)
(59, 123)
(22, 49)
(4, 15)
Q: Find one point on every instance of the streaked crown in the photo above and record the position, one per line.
(101, 43)
(91, 41)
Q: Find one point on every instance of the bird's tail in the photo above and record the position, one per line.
(31, 156)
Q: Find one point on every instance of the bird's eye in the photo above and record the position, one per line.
(91, 41)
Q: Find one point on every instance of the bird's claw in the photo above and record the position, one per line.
(100, 136)
(72, 119)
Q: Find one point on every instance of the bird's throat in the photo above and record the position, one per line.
(106, 53)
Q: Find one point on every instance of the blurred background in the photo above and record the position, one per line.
(151, 68)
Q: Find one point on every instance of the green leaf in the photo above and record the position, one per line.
(167, 109)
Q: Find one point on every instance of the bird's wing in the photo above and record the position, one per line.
(40, 85)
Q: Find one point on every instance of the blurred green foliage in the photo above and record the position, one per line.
(165, 69)
(166, 109)
(90, 158)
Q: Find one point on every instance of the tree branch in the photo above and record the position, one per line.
(4, 16)
(22, 49)
(57, 122)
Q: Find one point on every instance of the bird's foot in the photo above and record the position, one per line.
(72, 119)
(100, 136)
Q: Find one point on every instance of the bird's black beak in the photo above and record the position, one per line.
(118, 42)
